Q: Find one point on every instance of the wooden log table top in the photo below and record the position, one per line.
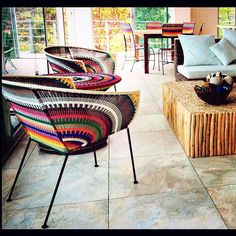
(202, 129)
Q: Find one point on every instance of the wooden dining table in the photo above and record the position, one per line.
(148, 34)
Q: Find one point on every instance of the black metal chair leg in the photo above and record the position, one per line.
(132, 158)
(55, 192)
(162, 62)
(133, 65)
(11, 63)
(123, 65)
(95, 159)
(158, 61)
(115, 87)
(18, 172)
(154, 59)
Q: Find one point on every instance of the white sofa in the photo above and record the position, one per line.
(199, 72)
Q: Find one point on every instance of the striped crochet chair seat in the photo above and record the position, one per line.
(92, 81)
(65, 59)
(67, 119)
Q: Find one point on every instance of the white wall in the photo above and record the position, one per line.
(80, 27)
(60, 28)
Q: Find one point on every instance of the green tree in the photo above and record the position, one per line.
(226, 17)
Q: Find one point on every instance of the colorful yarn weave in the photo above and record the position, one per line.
(171, 29)
(188, 28)
(125, 28)
(153, 25)
(92, 81)
(75, 59)
(68, 121)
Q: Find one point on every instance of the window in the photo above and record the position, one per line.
(227, 16)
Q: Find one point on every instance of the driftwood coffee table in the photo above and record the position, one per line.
(202, 129)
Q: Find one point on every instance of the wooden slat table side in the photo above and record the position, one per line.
(203, 129)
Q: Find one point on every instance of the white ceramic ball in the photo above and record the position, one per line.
(216, 80)
(229, 80)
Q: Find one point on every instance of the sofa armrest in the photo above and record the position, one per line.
(178, 56)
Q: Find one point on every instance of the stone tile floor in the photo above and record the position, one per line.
(174, 191)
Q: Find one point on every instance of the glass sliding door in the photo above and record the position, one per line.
(25, 33)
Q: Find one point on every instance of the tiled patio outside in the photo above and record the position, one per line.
(173, 192)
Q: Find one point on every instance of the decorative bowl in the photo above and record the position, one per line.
(216, 91)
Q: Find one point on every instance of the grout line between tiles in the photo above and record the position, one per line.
(222, 185)
(163, 192)
(208, 194)
(54, 205)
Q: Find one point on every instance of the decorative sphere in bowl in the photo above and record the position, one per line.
(215, 89)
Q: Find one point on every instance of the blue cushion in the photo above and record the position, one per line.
(196, 50)
(230, 35)
(225, 52)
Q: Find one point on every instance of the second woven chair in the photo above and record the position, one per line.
(76, 59)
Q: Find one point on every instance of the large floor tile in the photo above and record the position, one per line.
(16, 156)
(41, 158)
(89, 215)
(149, 143)
(216, 171)
(80, 183)
(225, 199)
(155, 174)
(8, 176)
(144, 123)
(148, 108)
(172, 210)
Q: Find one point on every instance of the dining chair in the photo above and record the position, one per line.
(169, 30)
(67, 119)
(188, 27)
(132, 48)
(155, 25)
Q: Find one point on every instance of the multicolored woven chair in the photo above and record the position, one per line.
(170, 30)
(155, 25)
(188, 28)
(57, 115)
(76, 59)
(131, 48)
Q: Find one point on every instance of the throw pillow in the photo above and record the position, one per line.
(230, 35)
(196, 50)
(224, 51)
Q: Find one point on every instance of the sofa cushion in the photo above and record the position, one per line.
(230, 35)
(225, 52)
(196, 50)
(197, 72)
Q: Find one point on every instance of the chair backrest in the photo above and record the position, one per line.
(188, 28)
(128, 36)
(76, 59)
(151, 25)
(66, 119)
(171, 29)
(200, 30)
